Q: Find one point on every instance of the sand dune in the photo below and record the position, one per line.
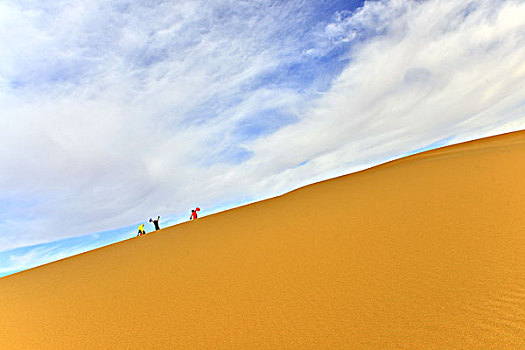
(426, 252)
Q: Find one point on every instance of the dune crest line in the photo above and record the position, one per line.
(425, 252)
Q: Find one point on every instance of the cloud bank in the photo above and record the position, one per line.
(113, 112)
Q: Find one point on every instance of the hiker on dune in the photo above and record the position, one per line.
(194, 213)
(155, 222)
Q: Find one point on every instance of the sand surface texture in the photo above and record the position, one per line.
(426, 252)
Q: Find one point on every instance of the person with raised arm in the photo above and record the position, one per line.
(194, 213)
(155, 222)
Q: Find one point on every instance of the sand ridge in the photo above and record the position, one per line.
(425, 252)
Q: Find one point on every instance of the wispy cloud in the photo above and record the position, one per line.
(427, 71)
(115, 111)
(19, 259)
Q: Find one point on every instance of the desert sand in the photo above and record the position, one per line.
(425, 252)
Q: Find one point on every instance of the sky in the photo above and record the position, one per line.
(112, 112)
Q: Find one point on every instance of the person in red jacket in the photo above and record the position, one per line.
(194, 213)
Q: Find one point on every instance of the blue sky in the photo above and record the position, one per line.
(113, 112)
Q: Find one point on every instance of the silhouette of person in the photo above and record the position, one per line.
(155, 222)
(141, 230)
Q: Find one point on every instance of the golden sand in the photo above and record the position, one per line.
(426, 252)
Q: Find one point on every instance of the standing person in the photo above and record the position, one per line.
(194, 213)
(141, 230)
(155, 222)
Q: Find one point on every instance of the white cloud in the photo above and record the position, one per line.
(28, 257)
(115, 111)
(440, 69)
(31, 258)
